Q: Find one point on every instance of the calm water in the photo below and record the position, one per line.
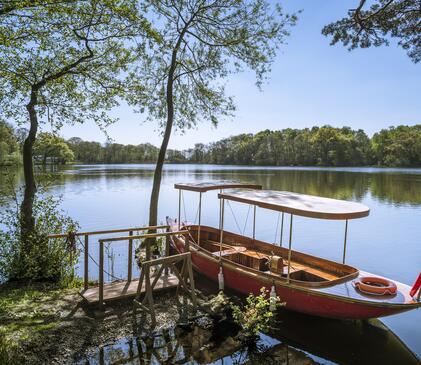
(387, 242)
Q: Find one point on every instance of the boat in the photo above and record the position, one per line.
(306, 283)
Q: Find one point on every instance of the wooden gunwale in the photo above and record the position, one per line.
(271, 279)
(299, 257)
(297, 211)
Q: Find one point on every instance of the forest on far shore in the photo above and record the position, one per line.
(398, 146)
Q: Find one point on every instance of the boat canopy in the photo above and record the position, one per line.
(299, 204)
(215, 185)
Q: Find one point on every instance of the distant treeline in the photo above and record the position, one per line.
(319, 146)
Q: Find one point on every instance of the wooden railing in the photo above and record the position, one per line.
(71, 237)
(130, 239)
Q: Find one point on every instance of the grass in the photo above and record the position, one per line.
(26, 311)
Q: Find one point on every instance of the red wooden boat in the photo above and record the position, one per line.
(306, 283)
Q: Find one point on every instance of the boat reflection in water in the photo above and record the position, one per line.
(299, 339)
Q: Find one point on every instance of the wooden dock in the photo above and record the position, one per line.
(125, 289)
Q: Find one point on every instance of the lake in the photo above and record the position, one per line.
(387, 242)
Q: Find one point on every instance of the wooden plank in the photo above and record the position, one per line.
(124, 289)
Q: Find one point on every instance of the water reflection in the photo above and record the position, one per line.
(298, 340)
(391, 186)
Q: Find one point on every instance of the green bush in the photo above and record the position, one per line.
(39, 258)
(255, 316)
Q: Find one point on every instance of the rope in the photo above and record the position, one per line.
(235, 219)
(96, 263)
(277, 226)
(245, 223)
(197, 214)
(184, 206)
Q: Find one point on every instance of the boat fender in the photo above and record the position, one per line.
(221, 279)
(375, 286)
(272, 299)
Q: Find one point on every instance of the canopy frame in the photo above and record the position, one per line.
(205, 187)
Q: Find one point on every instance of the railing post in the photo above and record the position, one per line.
(167, 249)
(86, 263)
(101, 273)
(130, 258)
(71, 246)
(186, 244)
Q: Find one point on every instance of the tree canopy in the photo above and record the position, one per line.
(384, 19)
(55, 148)
(181, 80)
(60, 62)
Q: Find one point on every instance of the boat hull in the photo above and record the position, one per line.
(300, 299)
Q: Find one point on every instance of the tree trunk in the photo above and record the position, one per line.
(28, 221)
(153, 208)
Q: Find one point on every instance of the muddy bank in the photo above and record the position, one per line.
(45, 325)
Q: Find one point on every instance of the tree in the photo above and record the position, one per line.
(365, 28)
(202, 42)
(60, 62)
(9, 147)
(49, 145)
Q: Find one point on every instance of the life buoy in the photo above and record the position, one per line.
(375, 286)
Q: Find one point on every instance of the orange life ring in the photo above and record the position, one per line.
(375, 286)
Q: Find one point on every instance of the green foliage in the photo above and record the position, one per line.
(398, 146)
(42, 259)
(51, 146)
(326, 146)
(255, 316)
(201, 43)
(9, 146)
(66, 57)
(94, 152)
(385, 18)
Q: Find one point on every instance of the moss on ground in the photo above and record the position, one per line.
(26, 312)
(45, 324)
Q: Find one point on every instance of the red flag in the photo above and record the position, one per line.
(416, 286)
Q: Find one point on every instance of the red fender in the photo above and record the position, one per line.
(416, 286)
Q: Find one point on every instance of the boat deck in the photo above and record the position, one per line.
(348, 290)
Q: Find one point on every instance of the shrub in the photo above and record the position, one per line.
(42, 258)
(256, 315)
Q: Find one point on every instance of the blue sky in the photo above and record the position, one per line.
(312, 83)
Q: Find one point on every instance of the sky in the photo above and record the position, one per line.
(311, 83)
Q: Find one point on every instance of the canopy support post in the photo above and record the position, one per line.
(179, 208)
(221, 236)
(345, 238)
(254, 222)
(289, 250)
(200, 218)
(220, 210)
(282, 229)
